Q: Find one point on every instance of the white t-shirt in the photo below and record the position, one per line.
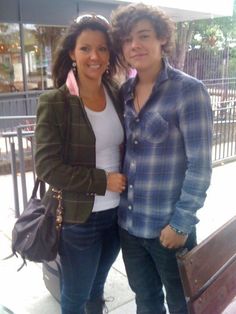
(109, 135)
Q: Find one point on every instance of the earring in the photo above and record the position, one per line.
(74, 67)
(108, 69)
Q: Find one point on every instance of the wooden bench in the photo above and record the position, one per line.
(208, 272)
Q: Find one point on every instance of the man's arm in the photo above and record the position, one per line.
(196, 125)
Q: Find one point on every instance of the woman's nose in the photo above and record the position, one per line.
(94, 54)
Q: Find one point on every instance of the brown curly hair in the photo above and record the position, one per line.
(125, 17)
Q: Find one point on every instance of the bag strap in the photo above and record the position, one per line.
(36, 186)
(39, 184)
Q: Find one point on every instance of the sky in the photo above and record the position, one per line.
(215, 7)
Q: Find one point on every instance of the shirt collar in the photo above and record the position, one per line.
(72, 84)
(163, 76)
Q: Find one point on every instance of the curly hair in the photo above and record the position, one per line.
(125, 17)
(62, 62)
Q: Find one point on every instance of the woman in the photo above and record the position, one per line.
(89, 178)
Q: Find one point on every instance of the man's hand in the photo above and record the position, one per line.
(172, 240)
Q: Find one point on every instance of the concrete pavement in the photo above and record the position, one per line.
(24, 292)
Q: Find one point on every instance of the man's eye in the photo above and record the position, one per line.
(144, 36)
(127, 40)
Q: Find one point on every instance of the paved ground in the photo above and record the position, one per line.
(24, 292)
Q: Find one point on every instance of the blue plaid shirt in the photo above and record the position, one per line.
(168, 155)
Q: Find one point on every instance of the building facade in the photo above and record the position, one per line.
(29, 33)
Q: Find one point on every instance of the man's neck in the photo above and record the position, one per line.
(149, 76)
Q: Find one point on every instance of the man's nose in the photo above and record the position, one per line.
(134, 43)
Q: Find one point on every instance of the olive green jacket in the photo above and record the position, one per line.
(79, 179)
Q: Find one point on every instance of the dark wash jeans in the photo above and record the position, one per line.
(149, 267)
(87, 253)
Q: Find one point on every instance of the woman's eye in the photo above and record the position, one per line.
(86, 49)
(103, 49)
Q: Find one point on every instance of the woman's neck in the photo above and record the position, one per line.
(93, 95)
(90, 88)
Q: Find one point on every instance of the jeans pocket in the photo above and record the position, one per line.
(79, 236)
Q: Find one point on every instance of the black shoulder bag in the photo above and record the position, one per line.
(36, 233)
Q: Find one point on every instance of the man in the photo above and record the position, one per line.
(168, 121)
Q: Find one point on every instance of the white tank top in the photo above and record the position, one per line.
(109, 136)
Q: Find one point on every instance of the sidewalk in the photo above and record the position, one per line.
(24, 292)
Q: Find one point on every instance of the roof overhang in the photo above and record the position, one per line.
(185, 10)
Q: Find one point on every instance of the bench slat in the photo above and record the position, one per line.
(208, 272)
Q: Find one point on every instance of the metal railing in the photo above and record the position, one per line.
(12, 122)
(17, 105)
(224, 140)
(222, 91)
(20, 145)
(21, 141)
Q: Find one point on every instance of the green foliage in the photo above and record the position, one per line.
(209, 42)
(216, 33)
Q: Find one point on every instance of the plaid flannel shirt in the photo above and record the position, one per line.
(168, 155)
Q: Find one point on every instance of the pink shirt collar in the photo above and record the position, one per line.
(72, 84)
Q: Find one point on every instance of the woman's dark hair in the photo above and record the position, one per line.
(62, 62)
(125, 17)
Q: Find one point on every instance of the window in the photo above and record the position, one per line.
(11, 79)
(40, 45)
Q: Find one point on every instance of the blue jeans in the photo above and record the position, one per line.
(87, 253)
(149, 267)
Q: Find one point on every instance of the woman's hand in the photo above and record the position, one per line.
(116, 182)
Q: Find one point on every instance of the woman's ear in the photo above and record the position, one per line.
(72, 55)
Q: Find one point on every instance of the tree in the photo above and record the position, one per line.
(46, 39)
(217, 33)
(184, 34)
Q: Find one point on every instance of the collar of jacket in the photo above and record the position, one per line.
(112, 89)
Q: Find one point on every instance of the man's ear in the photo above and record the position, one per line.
(163, 41)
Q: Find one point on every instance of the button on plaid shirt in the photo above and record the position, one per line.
(168, 155)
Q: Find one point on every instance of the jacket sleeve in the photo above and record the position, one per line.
(48, 156)
(196, 124)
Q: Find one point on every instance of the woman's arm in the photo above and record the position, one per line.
(49, 163)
